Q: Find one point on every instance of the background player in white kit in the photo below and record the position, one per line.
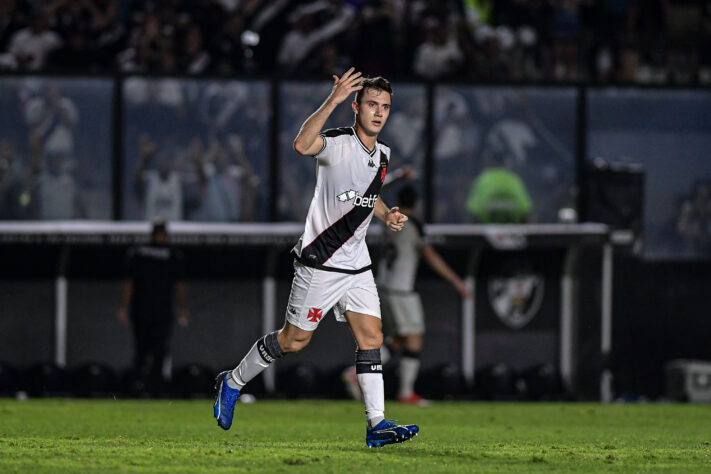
(332, 264)
(403, 314)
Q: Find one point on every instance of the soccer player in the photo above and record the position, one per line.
(332, 267)
(402, 308)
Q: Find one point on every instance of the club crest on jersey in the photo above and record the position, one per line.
(358, 200)
(384, 166)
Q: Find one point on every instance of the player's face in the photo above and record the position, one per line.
(373, 111)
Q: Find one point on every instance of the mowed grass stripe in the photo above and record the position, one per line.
(328, 436)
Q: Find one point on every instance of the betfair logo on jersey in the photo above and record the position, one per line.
(358, 200)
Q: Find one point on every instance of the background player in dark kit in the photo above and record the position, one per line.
(154, 281)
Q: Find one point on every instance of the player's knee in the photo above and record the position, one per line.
(294, 342)
(371, 340)
(413, 342)
(296, 345)
(292, 339)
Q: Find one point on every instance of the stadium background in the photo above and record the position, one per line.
(548, 121)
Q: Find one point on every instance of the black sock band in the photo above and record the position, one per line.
(410, 354)
(368, 362)
(269, 347)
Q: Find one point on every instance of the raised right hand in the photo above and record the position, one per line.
(344, 86)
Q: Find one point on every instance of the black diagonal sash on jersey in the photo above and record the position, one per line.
(325, 245)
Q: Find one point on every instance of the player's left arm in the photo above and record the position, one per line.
(435, 260)
(393, 218)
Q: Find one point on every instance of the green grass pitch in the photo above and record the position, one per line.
(328, 436)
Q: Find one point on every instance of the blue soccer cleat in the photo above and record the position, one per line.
(225, 400)
(388, 432)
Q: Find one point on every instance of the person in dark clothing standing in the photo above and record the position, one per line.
(154, 281)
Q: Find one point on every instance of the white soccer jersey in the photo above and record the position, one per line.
(349, 178)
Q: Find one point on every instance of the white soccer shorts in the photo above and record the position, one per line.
(314, 292)
(403, 314)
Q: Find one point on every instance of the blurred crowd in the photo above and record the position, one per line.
(183, 158)
(651, 41)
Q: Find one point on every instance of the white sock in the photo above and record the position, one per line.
(373, 390)
(260, 356)
(369, 370)
(408, 370)
(251, 366)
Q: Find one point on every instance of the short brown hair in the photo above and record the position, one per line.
(378, 83)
